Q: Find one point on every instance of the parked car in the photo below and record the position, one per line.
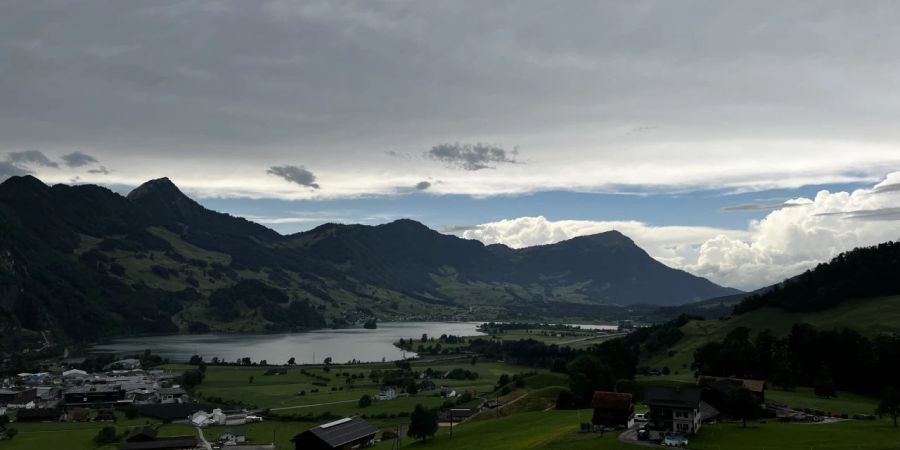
(643, 434)
(675, 440)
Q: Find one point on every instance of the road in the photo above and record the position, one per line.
(206, 443)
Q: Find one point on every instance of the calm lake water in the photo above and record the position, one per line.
(308, 347)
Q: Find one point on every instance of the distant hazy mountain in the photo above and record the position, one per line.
(84, 262)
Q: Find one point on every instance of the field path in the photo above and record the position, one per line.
(313, 405)
(206, 443)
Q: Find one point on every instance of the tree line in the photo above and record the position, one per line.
(828, 360)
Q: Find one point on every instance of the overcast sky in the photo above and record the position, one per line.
(479, 118)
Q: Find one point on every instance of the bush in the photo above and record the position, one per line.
(106, 435)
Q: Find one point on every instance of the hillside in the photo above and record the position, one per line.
(84, 263)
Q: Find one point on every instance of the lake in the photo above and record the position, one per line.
(310, 347)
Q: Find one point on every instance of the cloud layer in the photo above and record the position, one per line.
(785, 243)
(604, 96)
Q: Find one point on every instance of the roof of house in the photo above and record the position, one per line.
(707, 411)
(341, 432)
(141, 434)
(725, 384)
(673, 397)
(612, 400)
(164, 443)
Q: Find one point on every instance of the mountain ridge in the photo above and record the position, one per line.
(154, 261)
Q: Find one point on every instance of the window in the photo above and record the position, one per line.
(683, 426)
(681, 414)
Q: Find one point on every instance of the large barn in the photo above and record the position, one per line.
(344, 434)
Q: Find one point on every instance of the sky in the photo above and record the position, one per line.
(740, 141)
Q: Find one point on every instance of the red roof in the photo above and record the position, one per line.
(612, 401)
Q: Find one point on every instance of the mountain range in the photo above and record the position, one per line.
(83, 263)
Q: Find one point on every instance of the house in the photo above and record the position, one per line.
(230, 436)
(201, 419)
(351, 432)
(92, 394)
(716, 389)
(172, 395)
(461, 414)
(220, 417)
(39, 415)
(448, 392)
(673, 410)
(427, 385)
(17, 399)
(613, 409)
(387, 394)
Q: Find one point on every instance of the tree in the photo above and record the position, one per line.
(424, 337)
(106, 435)
(365, 401)
(251, 379)
(824, 385)
(422, 423)
(195, 360)
(889, 405)
(131, 413)
(587, 374)
(292, 361)
(327, 361)
(741, 404)
(11, 433)
(412, 388)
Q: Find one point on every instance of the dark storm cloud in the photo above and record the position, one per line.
(472, 156)
(294, 174)
(78, 159)
(423, 185)
(99, 170)
(31, 158)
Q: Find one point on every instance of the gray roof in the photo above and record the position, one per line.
(673, 397)
(342, 433)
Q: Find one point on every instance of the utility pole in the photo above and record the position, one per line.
(451, 423)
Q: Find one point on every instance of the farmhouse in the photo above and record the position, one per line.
(613, 409)
(231, 437)
(673, 410)
(341, 434)
(715, 389)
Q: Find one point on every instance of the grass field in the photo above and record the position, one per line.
(850, 435)
(78, 436)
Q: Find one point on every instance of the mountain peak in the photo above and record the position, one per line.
(23, 185)
(160, 188)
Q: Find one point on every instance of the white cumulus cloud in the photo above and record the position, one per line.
(784, 243)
